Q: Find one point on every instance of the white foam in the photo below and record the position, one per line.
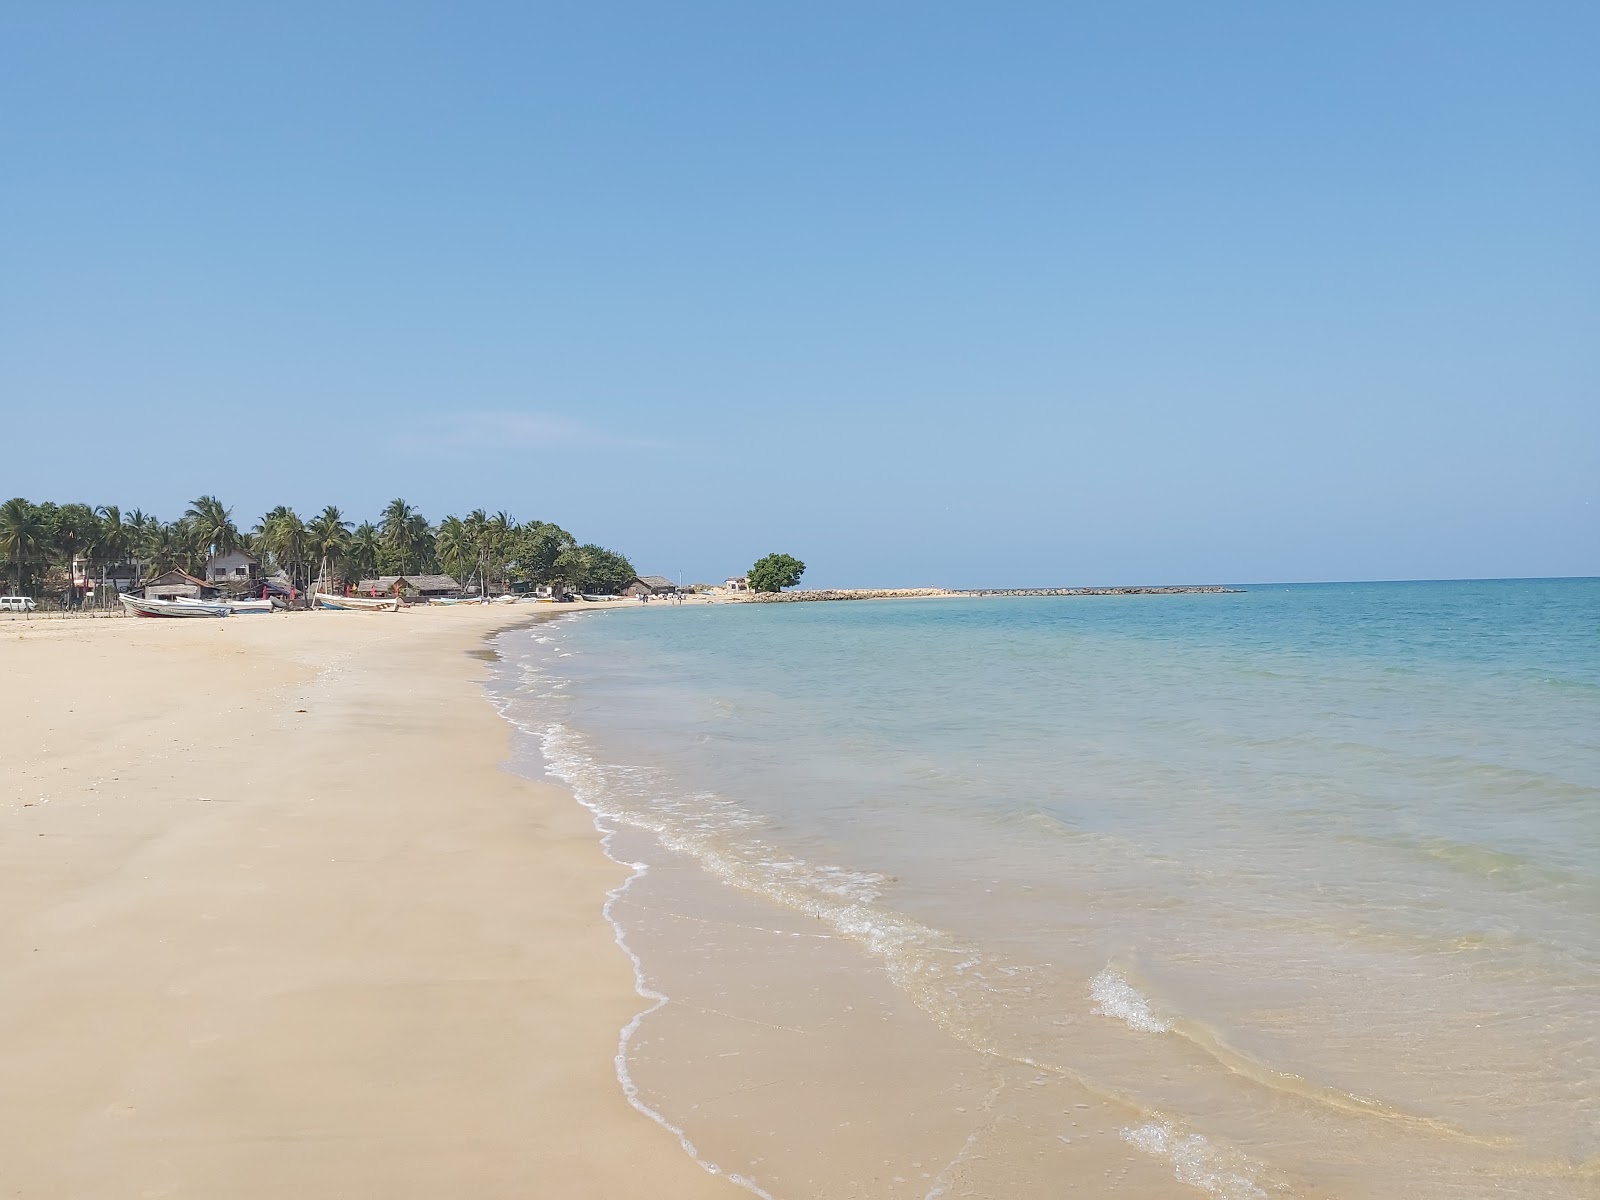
(1114, 996)
(1198, 1162)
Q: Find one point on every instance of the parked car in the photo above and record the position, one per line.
(17, 604)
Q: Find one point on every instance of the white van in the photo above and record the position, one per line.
(17, 604)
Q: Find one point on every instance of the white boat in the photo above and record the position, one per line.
(140, 607)
(234, 606)
(448, 600)
(357, 603)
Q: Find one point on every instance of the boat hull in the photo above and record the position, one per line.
(140, 607)
(233, 606)
(355, 603)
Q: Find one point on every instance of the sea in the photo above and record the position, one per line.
(1288, 892)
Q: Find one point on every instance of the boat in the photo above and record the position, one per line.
(447, 600)
(357, 603)
(233, 606)
(137, 606)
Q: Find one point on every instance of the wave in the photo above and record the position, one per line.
(1198, 1162)
(1115, 997)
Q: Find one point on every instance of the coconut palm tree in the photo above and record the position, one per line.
(167, 547)
(212, 525)
(111, 543)
(22, 535)
(395, 524)
(328, 537)
(453, 546)
(283, 535)
(419, 554)
(73, 532)
(141, 533)
(366, 547)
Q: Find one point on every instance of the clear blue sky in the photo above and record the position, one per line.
(920, 293)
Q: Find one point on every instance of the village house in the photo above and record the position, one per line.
(119, 576)
(178, 583)
(234, 567)
(737, 583)
(650, 585)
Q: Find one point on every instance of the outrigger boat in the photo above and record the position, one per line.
(139, 607)
(357, 603)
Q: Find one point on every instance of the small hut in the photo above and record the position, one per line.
(178, 583)
(409, 587)
(650, 585)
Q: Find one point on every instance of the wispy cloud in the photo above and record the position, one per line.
(486, 430)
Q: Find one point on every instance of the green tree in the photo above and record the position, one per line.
(366, 548)
(593, 569)
(401, 527)
(75, 530)
(141, 532)
(283, 535)
(328, 540)
(453, 547)
(776, 572)
(113, 540)
(22, 536)
(212, 525)
(535, 549)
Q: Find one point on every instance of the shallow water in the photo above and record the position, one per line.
(1291, 892)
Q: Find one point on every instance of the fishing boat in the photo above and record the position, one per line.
(445, 601)
(233, 606)
(357, 603)
(139, 607)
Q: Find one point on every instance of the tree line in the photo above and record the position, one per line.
(40, 542)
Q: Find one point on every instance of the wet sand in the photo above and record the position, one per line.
(273, 922)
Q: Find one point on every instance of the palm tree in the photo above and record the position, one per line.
(283, 535)
(499, 532)
(396, 526)
(419, 543)
(111, 543)
(167, 547)
(141, 533)
(328, 535)
(22, 534)
(214, 530)
(75, 531)
(453, 545)
(366, 545)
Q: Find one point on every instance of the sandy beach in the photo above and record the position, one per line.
(273, 922)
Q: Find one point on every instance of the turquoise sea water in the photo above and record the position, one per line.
(1301, 886)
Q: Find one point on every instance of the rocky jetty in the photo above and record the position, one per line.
(918, 593)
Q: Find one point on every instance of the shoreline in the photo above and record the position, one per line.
(278, 921)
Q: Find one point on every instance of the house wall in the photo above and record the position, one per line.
(230, 568)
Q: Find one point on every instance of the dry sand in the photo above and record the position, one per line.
(274, 923)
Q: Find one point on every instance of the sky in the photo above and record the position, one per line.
(995, 294)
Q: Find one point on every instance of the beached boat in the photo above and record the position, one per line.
(233, 606)
(448, 600)
(357, 603)
(139, 607)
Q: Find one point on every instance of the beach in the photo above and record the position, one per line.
(274, 922)
(1280, 893)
